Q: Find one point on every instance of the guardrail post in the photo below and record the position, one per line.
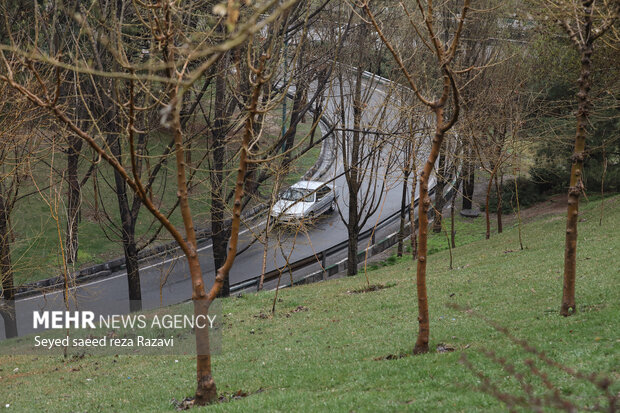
(324, 264)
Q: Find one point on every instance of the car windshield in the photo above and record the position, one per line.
(296, 194)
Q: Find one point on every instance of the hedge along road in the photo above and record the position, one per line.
(165, 278)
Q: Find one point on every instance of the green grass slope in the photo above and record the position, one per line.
(322, 356)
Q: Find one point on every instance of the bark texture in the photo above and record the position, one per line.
(575, 189)
(582, 35)
(421, 345)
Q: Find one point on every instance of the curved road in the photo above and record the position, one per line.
(109, 295)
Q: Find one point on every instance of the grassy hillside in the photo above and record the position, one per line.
(319, 352)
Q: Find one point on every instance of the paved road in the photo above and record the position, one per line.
(109, 295)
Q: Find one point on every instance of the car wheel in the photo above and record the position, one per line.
(332, 206)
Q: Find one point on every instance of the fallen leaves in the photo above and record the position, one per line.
(262, 316)
(444, 348)
(299, 309)
(185, 404)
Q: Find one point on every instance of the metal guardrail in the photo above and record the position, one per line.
(322, 256)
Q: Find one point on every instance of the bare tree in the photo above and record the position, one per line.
(443, 53)
(170, 74)
(584, 21)
(479, 50)
(366, 154)
(19, 149)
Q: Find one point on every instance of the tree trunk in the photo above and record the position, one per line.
(128, 224)
(518, 210)
(6, 272)
(261, 281)
(353, 177)
(440, 200)
(468, 183)
(498, 190)
(219, 229)
(298, 103)
(486, 209)
(73, 198)
(576, 185)
(206, 391)
(131, 262)
(421, 345)
(318, 109)
(219, 238)
(352, 250)
(403, 207)
(452, 230)
(299, 100)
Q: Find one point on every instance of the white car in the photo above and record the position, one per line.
(304, 200)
